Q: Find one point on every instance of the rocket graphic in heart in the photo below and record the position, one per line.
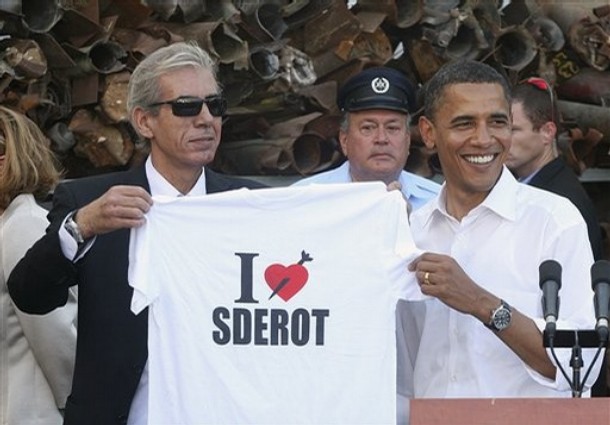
(286, 282)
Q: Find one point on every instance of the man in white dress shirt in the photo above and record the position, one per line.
(486, 236)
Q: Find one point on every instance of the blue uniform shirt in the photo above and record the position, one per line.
(416, 189)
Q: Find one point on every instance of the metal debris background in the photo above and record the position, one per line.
(66, 64)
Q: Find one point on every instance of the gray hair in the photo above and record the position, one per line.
(144, 87)
(459, 72)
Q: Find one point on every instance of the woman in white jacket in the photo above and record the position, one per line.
(36, 352)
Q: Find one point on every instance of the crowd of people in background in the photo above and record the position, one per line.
(483, 234)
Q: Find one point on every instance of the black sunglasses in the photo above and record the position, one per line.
(187, 106)
(543, 85)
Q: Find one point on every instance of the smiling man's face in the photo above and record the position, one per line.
(471, 130)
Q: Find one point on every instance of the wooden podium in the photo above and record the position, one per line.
(511, 411)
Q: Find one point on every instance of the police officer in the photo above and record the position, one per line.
(375, 135)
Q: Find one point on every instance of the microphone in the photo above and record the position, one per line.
(550, 283)
(600, 280)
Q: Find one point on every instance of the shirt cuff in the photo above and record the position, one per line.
(69, 246)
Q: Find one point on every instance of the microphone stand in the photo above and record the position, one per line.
(576, 363)
(575, 339)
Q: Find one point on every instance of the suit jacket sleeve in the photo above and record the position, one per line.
(41, 280)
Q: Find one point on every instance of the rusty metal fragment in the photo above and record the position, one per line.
(296, 68)
(409, 12)
(290, 128)
(137, 43)
(102, 144)
(515, 48)
(57, 57)
(591, 40)
(62, 138)
(587, 116)
(11, 6)
(312, 152)
(402, 13)
(85, 89)
(319, 135)
(331, 38)
(299, 16)
(375, 47)
(218, 38)
(265, 23)
(103, 57)
(546, 33)
(326, 32)
(188, 10)
(247, 7)
(304, 144)
(322, 96)
(40, 16)
(114, 99)
(75, 29)
(264, 62)
(25, 58)
(257, 156)
(130, 13)
(425, 57)
(223, 10)
(578, 147)
(55, 100)
(587, 86)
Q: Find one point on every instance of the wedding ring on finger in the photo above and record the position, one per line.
(427, 278)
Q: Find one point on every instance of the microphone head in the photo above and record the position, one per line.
(600, 272)
(550, 270)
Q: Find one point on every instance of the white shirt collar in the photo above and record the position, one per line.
(160, 186)
(501, 199)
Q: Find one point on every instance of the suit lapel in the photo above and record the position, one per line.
(215, 182)
(547, 173)
(137, 177)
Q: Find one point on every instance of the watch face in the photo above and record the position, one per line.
(501, 319)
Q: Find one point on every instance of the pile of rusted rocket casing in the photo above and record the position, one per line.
(66, 63)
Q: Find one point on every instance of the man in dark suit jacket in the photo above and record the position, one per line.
(174, 101)
(534, 157)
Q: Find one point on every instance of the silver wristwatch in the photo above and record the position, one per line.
(73, 228)
(500, 317)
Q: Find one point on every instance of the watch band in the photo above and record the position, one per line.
(72, 227)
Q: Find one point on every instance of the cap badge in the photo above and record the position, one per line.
(380, 85)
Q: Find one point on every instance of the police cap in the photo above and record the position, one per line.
(377, 88)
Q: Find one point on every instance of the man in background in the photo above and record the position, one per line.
(375, 135)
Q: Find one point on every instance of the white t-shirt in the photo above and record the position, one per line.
(273, 305)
